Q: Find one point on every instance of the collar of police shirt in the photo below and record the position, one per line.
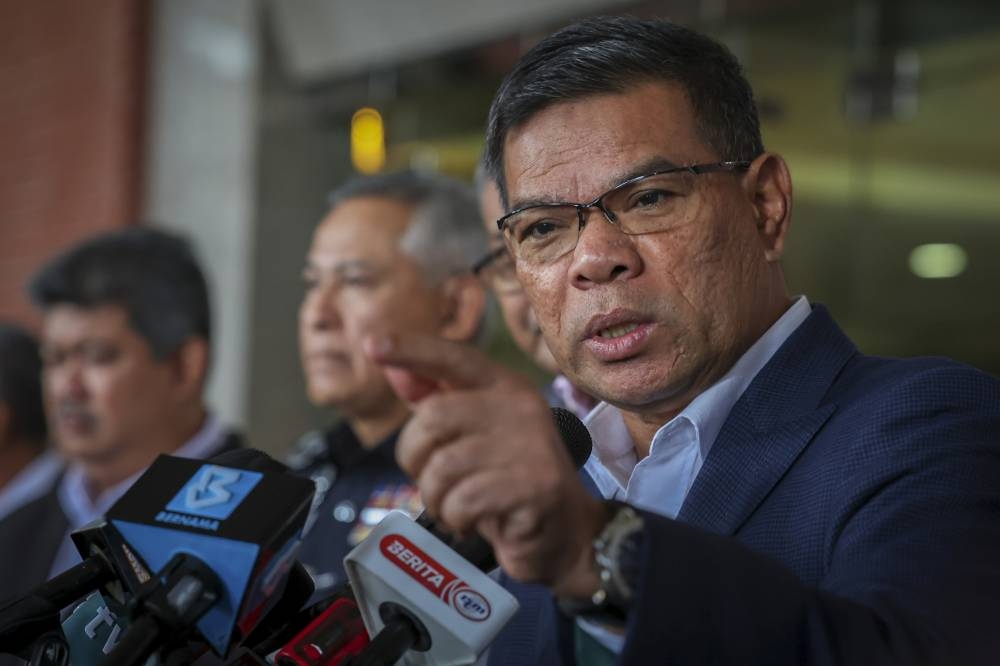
(660, 482)
(345, 450)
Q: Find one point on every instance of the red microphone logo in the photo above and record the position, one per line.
(438, 580)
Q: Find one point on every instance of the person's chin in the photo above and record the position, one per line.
(90, 450)
(321, 395)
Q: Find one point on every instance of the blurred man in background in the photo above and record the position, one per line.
(496, 268)
(392, 254)
(27, 468)
(125, 350)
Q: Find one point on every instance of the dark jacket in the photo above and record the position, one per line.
(355, 488)
(848, 513)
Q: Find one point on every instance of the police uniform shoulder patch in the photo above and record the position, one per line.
(384, 498)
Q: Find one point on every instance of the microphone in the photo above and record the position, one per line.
(193, 546)
(476, 549)
(24, 619)
(332, 633)
(285, 619)
(333, 637)
(401, 561)
(221, 536)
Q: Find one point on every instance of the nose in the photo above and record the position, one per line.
(66, 381)
(319, 310)
(603, 253)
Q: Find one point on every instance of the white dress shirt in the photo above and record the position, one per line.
(659, 482)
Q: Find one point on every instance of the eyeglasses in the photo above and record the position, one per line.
(542, 233)
(496, 268)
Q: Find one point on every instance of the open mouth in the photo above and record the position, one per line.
(617, 331)
(617, 335)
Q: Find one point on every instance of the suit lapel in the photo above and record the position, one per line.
(742, 467)
(769, 426)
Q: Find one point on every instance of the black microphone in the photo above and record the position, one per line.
(325, 643)
(285, 619)
(221, 536)
(23, 620)
(193, 548)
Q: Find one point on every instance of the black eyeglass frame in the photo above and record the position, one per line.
(488, 259)
(598, 203)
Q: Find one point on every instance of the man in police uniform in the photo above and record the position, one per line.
(391, 255)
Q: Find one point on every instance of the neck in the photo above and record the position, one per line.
(130, 459)
(373, 429)
(14, 457)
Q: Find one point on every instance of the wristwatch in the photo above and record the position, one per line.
(617, 558)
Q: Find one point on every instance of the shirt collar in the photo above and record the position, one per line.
(33, 481)
(573, 398)
(613, 447)
(346, 451)
(76, 502)
(709, 410)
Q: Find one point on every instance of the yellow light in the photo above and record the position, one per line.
(367, 141)
(938, 260)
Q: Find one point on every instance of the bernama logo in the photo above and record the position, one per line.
(442, 583)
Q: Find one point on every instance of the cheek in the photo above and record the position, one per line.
(130, 389)
(304, 313)
(113, 396)
(546, 295)
(717, 277)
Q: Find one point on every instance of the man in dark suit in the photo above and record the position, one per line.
(125, 354)
(772, 495)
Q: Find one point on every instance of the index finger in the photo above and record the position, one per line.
(444, 363)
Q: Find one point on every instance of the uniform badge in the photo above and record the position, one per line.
(323, 479)
(385, 498)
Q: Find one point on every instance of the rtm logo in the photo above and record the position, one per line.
(471, 604)
(438, 580)
(214, 492)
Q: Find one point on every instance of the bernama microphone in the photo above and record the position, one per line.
(194, 553)
(423, 595)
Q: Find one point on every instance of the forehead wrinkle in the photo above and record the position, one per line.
(532, 171)
(655, 163)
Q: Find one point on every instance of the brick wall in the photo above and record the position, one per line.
(71, 77)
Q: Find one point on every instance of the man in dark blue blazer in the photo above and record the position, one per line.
(771, 495)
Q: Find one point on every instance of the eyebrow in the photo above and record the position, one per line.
(656, 163)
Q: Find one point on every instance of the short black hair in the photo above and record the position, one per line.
(610, 54)
(152, 274)
(21, 383)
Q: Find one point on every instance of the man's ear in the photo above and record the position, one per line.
(464, 307)
(190, 363)
(771, 191)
